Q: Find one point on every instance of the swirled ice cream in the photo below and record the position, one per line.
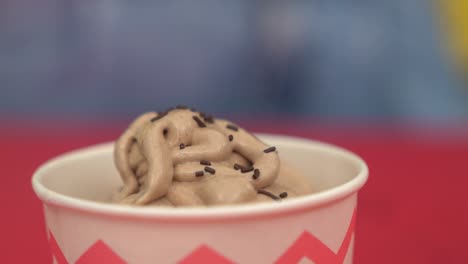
(182, 157)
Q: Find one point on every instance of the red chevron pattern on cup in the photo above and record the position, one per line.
(306, 246)
(315, 250)
(205, 254)
(99, 252)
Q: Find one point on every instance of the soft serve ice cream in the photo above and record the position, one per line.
(182, 157)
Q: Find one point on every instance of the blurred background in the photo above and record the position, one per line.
(360, 61)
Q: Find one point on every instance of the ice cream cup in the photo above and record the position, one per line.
(83, 227)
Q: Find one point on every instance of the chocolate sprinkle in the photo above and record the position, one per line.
(170, 109)
(183, 107)
(247, 169)
(199, 122)
(205, 162)
(269, 194)
(182, 146)
(256, 174)
(238, 166)
(159, 116)
(210, 170)
(199, 173)
(208, 119)
(231, 137)
(270, 149)
(283, 195)
(232, 127)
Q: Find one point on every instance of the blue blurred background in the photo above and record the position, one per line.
(333, 60)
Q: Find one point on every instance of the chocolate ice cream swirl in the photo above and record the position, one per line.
(185, 158)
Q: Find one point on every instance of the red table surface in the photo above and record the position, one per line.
(413, 209)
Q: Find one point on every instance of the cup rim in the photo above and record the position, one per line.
(295, 204)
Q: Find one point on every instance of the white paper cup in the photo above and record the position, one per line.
(84, 228)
